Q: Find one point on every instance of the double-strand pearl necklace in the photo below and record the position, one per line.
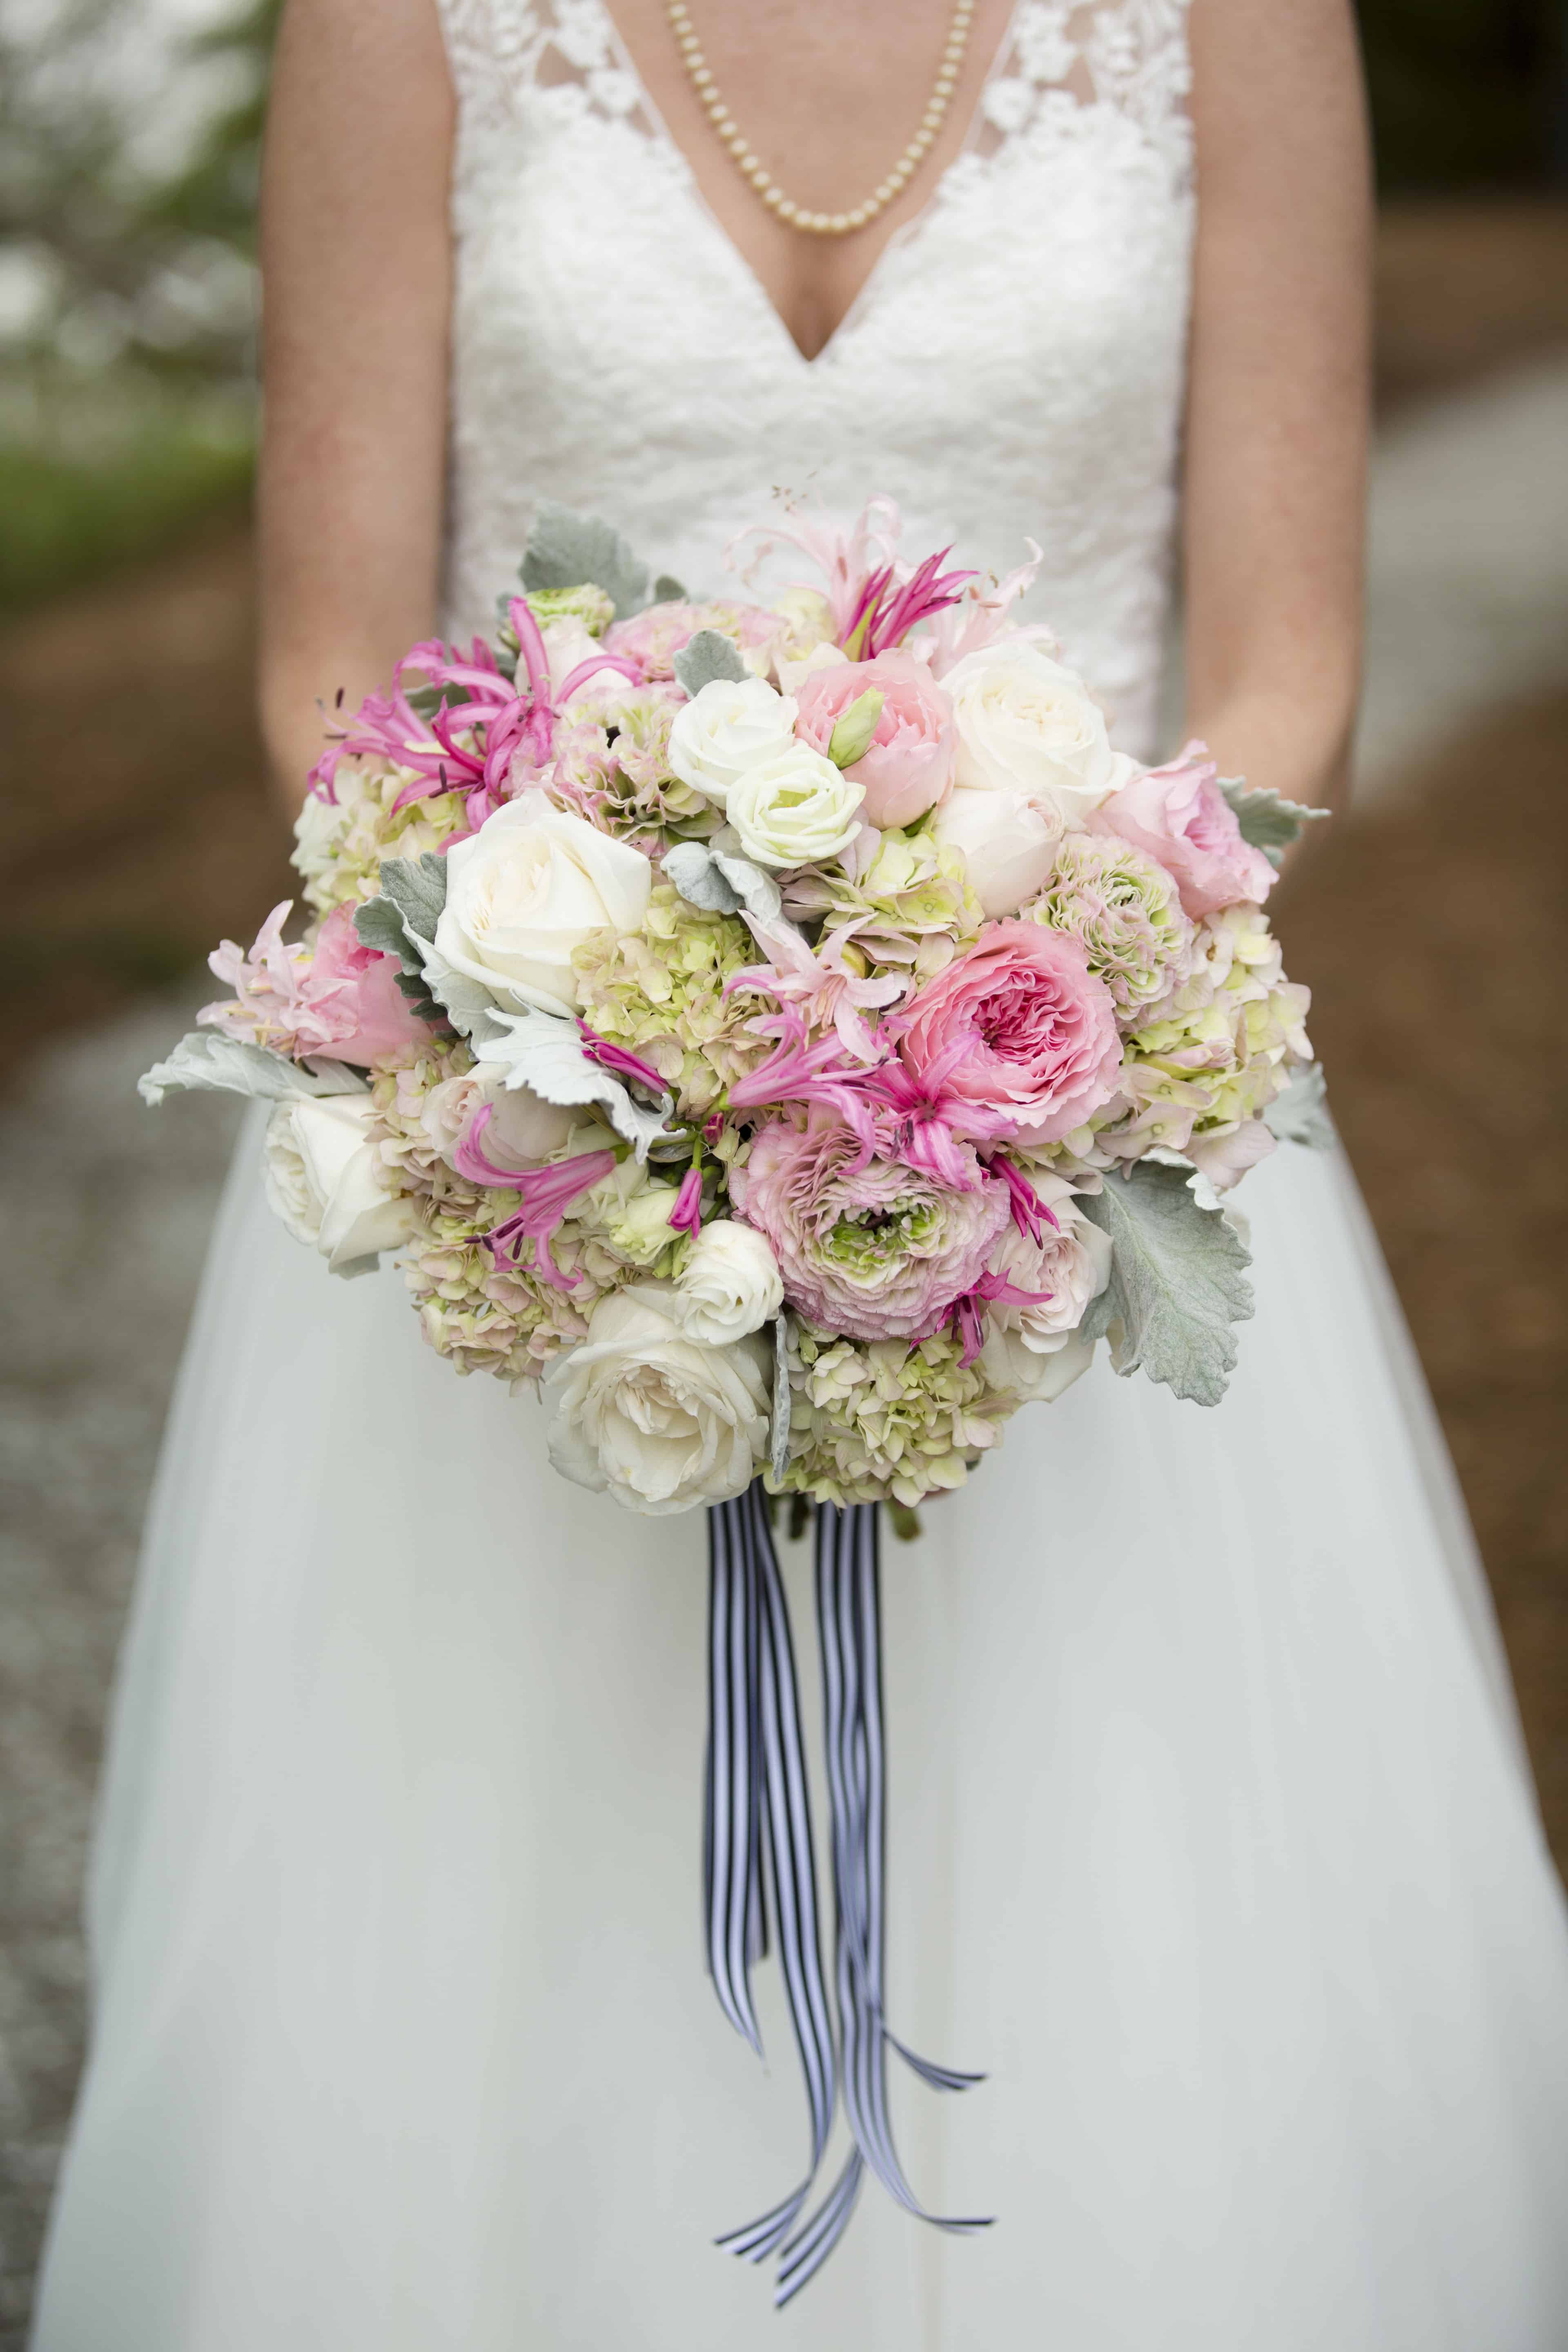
(757, 174)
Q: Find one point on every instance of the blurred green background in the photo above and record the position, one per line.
(129, 142)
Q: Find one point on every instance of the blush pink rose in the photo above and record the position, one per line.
(339, 1000)
(1178, 814)
(354, 994)
(867, 1247)
(1017, 1037)
(908, 768)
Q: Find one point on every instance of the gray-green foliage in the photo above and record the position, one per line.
(565, 549)
(708, 656)
(402, 919)
(207, 1060)
(1178, 1282)
(1302, 1114)
(1267, 820)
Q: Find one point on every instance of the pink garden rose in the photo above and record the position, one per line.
(1178, 814)
(339, 1001)
(908, 768)
(1015, 1038)
(867, 1247)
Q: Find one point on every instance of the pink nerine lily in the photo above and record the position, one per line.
(845, 558)
(888, 608)
(547, 1194)
(686, 1217)
(965, 1316)
(1030, 1213)
(820, 984)
(801, 1069)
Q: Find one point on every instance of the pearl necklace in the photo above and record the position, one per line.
(760, 178)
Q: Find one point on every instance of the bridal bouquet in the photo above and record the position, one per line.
(790, 1034)
(793, 1036)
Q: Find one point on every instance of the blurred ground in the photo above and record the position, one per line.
(1431, 928)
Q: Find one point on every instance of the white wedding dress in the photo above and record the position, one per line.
(1211, 1836)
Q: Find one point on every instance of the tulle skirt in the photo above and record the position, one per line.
(1211, 1841)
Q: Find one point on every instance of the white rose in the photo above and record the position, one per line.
(1008, 1363)
(730, 1284)
(797, 809)
(1026, 724)
(324, 1178)
(660, 1421)
(1009, 845)
(527, 887)
(1073, 1263)
(731, 726)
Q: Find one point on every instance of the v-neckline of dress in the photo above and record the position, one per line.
(901, 238)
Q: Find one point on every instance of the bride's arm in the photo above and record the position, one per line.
(357, 283)
(1278, 415)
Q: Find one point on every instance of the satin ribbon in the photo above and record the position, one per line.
(759, 1871)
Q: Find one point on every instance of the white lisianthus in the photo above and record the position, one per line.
(734, 725)
(1008, 845)
(1012, 1366)
(527, 887)
(659, 1421)
(629, 1211)
(796, 809)
(1035, 1351)
(730, 1284)
(324, 1178)
(1026, 724)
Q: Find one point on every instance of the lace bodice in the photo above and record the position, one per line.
(1012, 369)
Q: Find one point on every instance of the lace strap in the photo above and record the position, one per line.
(1130, 55)
(566, 51)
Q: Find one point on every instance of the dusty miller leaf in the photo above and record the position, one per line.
(779, 1434)
(544, 1052)
(1178, 1283)
(1267, 822)
(720, 883)
(208, 1062)
(666, 591)
(566, 549)
(418, 891)
(1302, 1114)
(708, 656)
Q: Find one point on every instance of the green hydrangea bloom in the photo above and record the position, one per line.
(660, 993)
(338, 843)
(883, 1417)
(912, 907)
(1224, 1044)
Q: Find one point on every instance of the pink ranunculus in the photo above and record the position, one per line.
(867, 1247)
(654, 637)
(1015, 1038)
(1178, 814)
(908, 768)
(338, 1000)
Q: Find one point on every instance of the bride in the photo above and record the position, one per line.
(1213, 1840)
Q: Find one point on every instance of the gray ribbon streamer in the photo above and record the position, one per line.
(758, 1824)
